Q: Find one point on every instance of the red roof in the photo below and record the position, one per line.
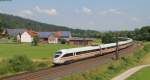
(58, 34)
(32, 33)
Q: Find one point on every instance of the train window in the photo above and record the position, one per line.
(68, 55)
(111, 47)
(103, 48)
(57, 54)
(84, 52)
(78, 53)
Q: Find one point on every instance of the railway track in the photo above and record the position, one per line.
(57, 72)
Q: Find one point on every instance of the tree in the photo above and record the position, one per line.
(63, 41)
(141, 34)
(35, 41)
(108, 37)
(1, 27)
(145, 33)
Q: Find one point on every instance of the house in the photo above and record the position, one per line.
(63, 34)
(80, 41)
(47, 37)
(28, 35)
(23, 35)
(14, 32)
(53, 37)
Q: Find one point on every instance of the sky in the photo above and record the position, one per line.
(100, 15)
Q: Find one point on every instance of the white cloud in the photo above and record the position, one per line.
(50, 12)
(115, 11)
(38, 9)
(25, 13)
(135, 19)
(87, 11)
(111, 11)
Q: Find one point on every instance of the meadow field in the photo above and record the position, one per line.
(42, 51)
(27, 57)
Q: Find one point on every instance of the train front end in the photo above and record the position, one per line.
(57, 58)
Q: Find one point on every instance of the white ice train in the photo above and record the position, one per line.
(75, 54)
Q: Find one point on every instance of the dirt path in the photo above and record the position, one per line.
(129, 72)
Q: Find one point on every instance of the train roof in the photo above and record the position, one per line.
(80, 49)
(72, 50)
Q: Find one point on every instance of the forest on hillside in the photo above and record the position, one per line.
(10, 21)
(13, 22)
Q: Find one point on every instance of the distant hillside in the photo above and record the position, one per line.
(10, 21)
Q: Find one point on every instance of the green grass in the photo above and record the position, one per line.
(143, 74)
(40, 51)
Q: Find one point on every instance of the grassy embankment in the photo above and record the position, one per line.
(113, 68)
(144, 73)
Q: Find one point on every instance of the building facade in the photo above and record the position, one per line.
(80, 41)
(27, 36)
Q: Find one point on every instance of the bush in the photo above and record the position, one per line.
(4, 68)
(20, 63)
(35, 41)
(63, 41)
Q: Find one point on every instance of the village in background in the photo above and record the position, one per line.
(28, 36)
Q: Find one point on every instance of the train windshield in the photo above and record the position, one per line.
(57, 54)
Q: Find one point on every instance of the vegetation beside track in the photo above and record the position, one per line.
(144, 73)
(19, 63)
(107, 71)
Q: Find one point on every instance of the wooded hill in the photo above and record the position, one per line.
(13, 22)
